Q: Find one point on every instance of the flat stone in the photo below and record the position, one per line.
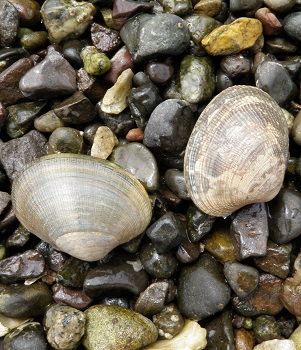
(233, 38)
(157, 35)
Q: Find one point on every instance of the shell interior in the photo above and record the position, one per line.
(81, 205)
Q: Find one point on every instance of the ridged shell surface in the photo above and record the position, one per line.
(81, 205)
(237, 152)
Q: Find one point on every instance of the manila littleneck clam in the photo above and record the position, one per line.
(237, 152)
(81, 205)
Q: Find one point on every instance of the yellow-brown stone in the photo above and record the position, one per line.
(234, 37)
(208, 7)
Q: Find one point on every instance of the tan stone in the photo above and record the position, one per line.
(233, 38)
(104, 142)
(208, 7)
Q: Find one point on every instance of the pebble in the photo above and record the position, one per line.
(105, 39)
(265, 327)
(29, 12)
(72, 52)
(17, 153)
(48, 122)
(65, 140)
(159, 72)
(18, 238)
(64, 326)
(167, 232)
(280, 5)
(90, 86)
(115, 99)
(243, 33)
(114, 327)
(9, 23)
(95, 62)
(66, 19)
(75, 298)
(191, 337)
(158, 265)
(295, 337)
(34, 40)
(264, 300)
(284, 217)
(274, 79)
(275, 344)
(204, 280)
(236, 66)
(270, 22)
(24, 301)
(244, 340)
(4, 201)
(250, 228)
(124, 274)
(28, 264)
(280, 45)
(244, 5)
(174, 179)
(73, 273)
(134, 135)
(180, 7)
(152, 300)
(104, 142)
(28, 336)
(291, 25)
(243, 279)
(138, 161)
(52, 77)
(158, 35)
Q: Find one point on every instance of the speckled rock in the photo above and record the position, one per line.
(104, 39)
(244, 5)
(95, 62)
(280, 5)
(156, 35)
(265, 327)
(9, 23)
(243, 33)
(208, 7)
(291, 25)
(117, 328)
(205, 281)
(283, 344)
(64, 326)
(104, 142)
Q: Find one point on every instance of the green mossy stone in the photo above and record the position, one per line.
(95, 63)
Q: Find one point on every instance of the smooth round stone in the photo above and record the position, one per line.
(158, 35)
(22, 301)
(140, 78)
(271, 24)
(64, 326)
(208, 7)
(48, 122)
(142, 100)
(66, 19)
(265, 327)
(28, 336)
(167, 232)
(134, 135)
(34, 40)
(188, 252)
(113, 327)
(280, 45)
(104, 39)
(160, 73)
(95, 62)
(198, 223)
(121, 276)
(103, 143)
(280, 5)
(223, 81)
(72, 52)
(243, 279)
(292, 25)
(274, 79)
(275, 344)
(284, 216)
(75, 298)
(9, 23)
(140, 162)
(28, 264)
(65, 140)
(52, 77)
(177, 7)
(158, 265)
(169, 322)
(174, 179)
(244, 5)
(202, 281)
(236, 67)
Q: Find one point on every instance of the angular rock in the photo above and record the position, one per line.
(90, 86)
(104, 142)
(104, 39)
(76, 298)
(95, 62)
(160, 73)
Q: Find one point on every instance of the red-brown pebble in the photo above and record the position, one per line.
(270, 23)
(244, 340)
(159, 73)
(134, 135)
(76, 298)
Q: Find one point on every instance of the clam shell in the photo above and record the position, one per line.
(237, 152)
(81, 205)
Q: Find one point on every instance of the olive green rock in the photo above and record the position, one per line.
(95, 62)
(34, 40)
(116, 328)
(233, 38)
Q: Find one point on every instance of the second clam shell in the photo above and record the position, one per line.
(81, 205)
(237, 152)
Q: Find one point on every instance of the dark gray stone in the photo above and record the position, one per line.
(9, 23)
(174, 179)
(292, 25)
(155, 36)
(202, 290)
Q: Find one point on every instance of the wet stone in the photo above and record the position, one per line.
(264, 300)
(73, 18)
(244, 340)
(122, 302)
(64, 325)
(73, 273)
(104, 142)
(142, 101)
(52, 77)
(22, 301)
(28, 336)
(167, 232)
(177, 7)
(204, 280)
(95, 62)
(76, 298)
(48, 122)
(90, 86)
(65, 140)
(220, 333)
(54, 259)
(208, 7)
(158, 265)
(10, 55)
(265, 327)
(26, 265)
(123, 275)
(277, 260)
(160, 73)
(156, 36)
(174, 179)
(140, 162)
(274, 79)
(34, 40)
(292, 26)
(280, 5)
(243, 279)
(9, 23)
(188, 251)
(113, 327)
(76, 109)
(295, 337)
(236, 67)
(152, 299)
(18, 238)
(280, 45)
(285, 217)
(72, 52)
(17, 153)
(271, 24)
(104, 39)
(250, 228)
(9, 81)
